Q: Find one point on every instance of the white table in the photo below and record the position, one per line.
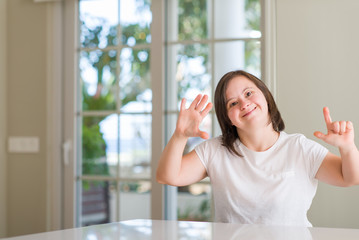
(170, 230)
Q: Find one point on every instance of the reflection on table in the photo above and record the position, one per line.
(170, 230)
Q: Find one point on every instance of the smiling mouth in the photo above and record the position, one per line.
(249, 112)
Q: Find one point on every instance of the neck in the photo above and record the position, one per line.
(260, 139)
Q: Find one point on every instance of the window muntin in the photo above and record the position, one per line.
(115, 107)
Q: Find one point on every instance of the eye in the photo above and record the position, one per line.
(249, 93)
(232, 104)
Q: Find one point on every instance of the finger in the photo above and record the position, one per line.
(342, 127)
(319, 135)
(183, 104)
(202, 103)
(327, 118)
(206, 110)
(335, 127)
(349, 126)
(203, 135)
(195, 101)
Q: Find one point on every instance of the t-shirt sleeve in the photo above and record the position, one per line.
(201, 150)
(314, 153)
(206, 151)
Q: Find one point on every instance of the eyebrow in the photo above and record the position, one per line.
(245, 89)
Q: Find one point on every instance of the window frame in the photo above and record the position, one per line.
(160, 194)
(72, 177)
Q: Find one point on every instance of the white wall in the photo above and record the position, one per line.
(317, 66)
(3, 118)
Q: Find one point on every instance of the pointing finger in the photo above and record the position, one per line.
(327, 118)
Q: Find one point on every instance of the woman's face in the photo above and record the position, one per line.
(246, 105)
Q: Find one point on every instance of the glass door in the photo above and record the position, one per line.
(114, 111)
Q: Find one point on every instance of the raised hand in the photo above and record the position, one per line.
(189, 119)
(340, 133)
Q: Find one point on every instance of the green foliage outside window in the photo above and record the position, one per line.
(253, 12)
(93, 143)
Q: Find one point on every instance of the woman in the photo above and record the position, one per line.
(259, 174)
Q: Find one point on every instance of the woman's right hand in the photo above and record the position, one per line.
(177, 169)
(189, 119)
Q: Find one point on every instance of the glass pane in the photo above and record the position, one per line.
(98, 23)
(190, 74)
(229, 56)
(96, 159)
(135, 20)
(194, 202)
(98, 200)
(192, 20)
(135, 145)
(109, 129)
(135, 200)
(253, 58)
(237, 19)
(171, 120)
(135, 81)
(98, 78)
(237, 55)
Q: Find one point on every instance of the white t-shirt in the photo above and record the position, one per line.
(274, 187)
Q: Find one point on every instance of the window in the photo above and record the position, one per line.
(115, 121)
(114, 111)
(206, 39)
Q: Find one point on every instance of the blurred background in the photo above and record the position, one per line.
(90, 92)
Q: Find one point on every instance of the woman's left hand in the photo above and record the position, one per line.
(340, 133)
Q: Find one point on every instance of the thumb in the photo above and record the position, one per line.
(320, 135)
(203, 135)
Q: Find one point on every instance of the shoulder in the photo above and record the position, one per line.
(292, 136)
(295, 138)
(209, 148)
(213, 142)
(301, 142)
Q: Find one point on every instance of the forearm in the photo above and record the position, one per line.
(169, 165)
(350, 164)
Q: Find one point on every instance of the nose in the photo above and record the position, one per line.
(244, 104)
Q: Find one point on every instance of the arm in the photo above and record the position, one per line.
(174, 168)
(344, 170)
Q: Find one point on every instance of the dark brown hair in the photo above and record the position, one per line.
(229, 132)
